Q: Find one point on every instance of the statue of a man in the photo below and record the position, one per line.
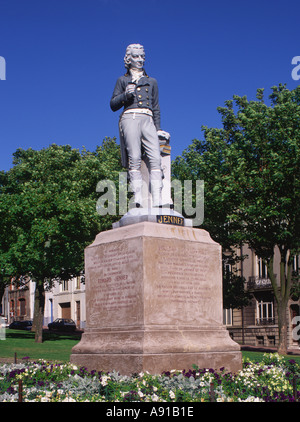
(139, 123)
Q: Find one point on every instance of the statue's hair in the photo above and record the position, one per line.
(128, 53)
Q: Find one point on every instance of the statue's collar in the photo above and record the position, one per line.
(127, 74)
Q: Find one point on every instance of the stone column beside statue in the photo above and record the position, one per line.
(153, 282)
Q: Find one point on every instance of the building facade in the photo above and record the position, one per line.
(257, 323)
(18, 300)
(64, 300)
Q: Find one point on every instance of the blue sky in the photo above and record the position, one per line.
(63, 58)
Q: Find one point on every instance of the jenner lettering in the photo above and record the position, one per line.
(170, 219)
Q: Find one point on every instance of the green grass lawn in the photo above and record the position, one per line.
(58, 347)
(54, 347)
(257, 356)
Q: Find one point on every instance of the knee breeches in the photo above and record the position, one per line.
(139, 131)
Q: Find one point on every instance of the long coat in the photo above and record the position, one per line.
(146, 96)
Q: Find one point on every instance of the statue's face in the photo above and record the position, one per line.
(137, 58)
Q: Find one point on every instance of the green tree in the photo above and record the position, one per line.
(48, 206)
(202, 160)
(251, 171)
(234, 294)
(6, 228)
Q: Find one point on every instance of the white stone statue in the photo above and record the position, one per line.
(141, 136)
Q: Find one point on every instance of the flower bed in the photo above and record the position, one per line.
(271, 380)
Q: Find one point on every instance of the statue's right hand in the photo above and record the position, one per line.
(129, 91)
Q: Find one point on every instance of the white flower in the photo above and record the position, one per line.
(172, 394)
(104, 380)
(69, 399)
(154, 397)
(251, 399)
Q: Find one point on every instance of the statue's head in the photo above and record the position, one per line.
(134, 56)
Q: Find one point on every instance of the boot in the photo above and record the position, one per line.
(136, 184)
(156, 187)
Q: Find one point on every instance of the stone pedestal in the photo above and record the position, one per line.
(154, 302)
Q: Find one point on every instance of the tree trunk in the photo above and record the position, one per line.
(2, 289)
(282, 327)
(35, 309)
(282, 294)
(39, 306)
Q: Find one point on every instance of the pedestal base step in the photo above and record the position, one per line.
(127, 364)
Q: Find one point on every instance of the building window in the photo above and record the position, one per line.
(51, 309)
(78, 280)
(295, 264)
(12, 309)
(65, 285)
(77, 316)
(265, 313)
(227, 316)
(227, 269)
(271, 340)
(262, 269)
(260, 341)
(21, 307)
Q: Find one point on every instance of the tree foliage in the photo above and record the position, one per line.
(251, 170)
(48, 211)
